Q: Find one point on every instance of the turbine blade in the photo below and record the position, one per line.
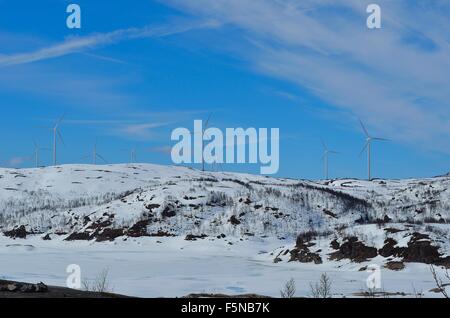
(207, 121)
(364, 128)
(364, 148)
(101, 157)
(380, 139)
(324, 144)
(60, 137)
(60, 120)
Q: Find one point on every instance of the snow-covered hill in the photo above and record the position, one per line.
(395, 221)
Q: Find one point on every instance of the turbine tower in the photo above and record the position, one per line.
(205, 126)
(56, 135)
(133, 155)
(37, 153)
(96, 155)
(368, 146)
(325, 155)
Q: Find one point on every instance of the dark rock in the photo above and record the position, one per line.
(420, 250)
(390, 249)
(329, 213)
(150, 207)
(100, 224)
(191, 237)
(161, 233)
(335, 244)
(305, 256)
(109, 234)
(395, 266)
(354, 250)
(41, 287)
(444, 262)
(139, 229)
(304, 238)
(301, 252)
(78, 236)
(391, 230)
(47, 237)
(15, 287)
(169, 212)
(234, 220)
(86, 220)
(19, 232)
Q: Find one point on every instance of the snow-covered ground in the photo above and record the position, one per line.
(175, 268)
(134, 220)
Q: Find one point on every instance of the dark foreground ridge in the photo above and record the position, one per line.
(11, 289)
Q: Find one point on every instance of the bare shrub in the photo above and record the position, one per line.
(322, 289)
(289, 289)
(417, 293)
(100, 284)
(439, 282)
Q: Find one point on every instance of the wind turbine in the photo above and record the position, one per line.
(95, 155)
(37, 153)
(133, 155)
(56, 135)
(205, 126)
(325, 155)
(368, 146)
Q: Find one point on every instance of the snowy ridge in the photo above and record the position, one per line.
(114, 202)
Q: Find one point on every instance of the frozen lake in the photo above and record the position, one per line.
(173, 267)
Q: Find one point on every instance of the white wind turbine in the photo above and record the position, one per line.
(56, 135)
(37, 153)
(205, 126)
(202, 133)
(95, 155)
(325, 155)
(368, 146)
(133, 155)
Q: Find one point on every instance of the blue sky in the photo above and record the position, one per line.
(136, 71)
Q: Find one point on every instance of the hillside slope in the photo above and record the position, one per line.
(399, 220)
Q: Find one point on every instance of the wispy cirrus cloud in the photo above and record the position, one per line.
(142, 131)
(395, 78)
(144, 126)
(80, 44)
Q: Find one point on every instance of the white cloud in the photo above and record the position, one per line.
(17, 161)
(395, 78)
(81, 43)
(140, 131)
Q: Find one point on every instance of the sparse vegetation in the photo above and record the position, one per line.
(100, 284)
(289, 289)
(440, 284)
(321, 289)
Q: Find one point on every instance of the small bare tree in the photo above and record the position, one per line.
(417, 293)
(438, 280)
(100, 284)
(322, 289)
(289, 289)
